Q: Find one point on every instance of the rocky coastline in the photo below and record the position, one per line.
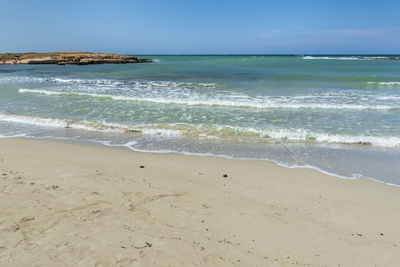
(68, 58)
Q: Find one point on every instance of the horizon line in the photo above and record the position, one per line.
(265, 54)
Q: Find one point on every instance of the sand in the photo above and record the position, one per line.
(64, 204)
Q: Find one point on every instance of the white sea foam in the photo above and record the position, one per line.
(87, 125)
(258, 103)
(43, 92)
(385, 83)
(393, 97)
(334, 58)
(304, 135)
(9, 79)
(107, 83)
(212, 131)
(59, 123)
(158, 131)
(33, 120)
(344, 58)
(127, 83)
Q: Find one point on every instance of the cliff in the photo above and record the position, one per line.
(67, 58)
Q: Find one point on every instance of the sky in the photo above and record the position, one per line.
(201, 26)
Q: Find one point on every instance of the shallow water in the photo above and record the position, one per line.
(341, 116)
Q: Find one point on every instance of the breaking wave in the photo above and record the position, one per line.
(103, 82)
(209, 131)
(385, 83)
(234, 101)
(345, 58)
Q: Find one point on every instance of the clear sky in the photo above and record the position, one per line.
(201, 26)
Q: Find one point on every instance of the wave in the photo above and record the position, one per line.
(62, 123)
(348, 57)
(385, 83)
(351, 58)
(8, 79)
(121, 82)
(105, 82)
(335, 58)
(226, 132)
(393, 97)
(301, 135)
(245, 102)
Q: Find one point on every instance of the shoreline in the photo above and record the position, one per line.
(210, 155)
(90, 204)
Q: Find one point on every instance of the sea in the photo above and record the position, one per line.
(339, 114)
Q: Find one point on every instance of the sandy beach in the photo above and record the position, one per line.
(64, 204)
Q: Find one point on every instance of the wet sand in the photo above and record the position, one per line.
(64, 204)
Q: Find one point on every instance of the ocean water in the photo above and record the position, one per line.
(338, 114)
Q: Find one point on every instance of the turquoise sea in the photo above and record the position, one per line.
(338, 114)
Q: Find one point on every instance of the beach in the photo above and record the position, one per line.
(81, 204)
(257, 133)
(337, 114)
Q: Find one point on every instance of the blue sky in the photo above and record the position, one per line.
(201, 27)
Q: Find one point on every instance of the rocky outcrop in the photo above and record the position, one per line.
(68, 58)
